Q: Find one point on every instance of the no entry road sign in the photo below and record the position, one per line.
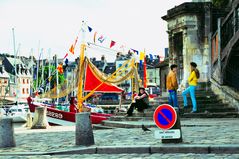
(165, 116)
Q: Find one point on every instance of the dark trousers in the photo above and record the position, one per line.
(139, 104)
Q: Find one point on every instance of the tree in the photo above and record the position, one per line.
(44, 82)
(220, 3)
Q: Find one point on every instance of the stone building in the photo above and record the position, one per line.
(4, 82)
(189, 25)
(20, 87)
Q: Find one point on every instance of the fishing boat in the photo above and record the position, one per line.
(61, 117)
(89, 80)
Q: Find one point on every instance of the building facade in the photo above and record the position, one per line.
(189, 25)
(19, 82)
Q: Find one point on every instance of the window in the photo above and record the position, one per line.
(27, 91)
(27, 81)
(23, 91)
(0, 81)
(5, 81)
(23, 81)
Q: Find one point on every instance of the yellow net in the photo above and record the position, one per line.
(124, 74)
(127, 72)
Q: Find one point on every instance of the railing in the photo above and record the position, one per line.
(232, 77)
(221, 45)
(227, 31)
(229, 27)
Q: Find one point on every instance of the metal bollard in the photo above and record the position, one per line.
(7, 138)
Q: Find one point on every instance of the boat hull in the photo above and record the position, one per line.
(58, 116)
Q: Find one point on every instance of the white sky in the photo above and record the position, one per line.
(55, 23)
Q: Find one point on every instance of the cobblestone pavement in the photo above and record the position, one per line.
(132, 156)
(195, 131)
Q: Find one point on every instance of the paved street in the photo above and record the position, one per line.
(195, 132)
(133, 156)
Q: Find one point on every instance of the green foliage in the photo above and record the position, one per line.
(61, 77)
(220, 3)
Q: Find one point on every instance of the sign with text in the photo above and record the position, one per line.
(167, 134)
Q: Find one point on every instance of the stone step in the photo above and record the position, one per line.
(100, 126)
(122, 122)
(211, 115)
(123, 118)
(197, 97)
(125, 124)
(149, 113)
(210, 105)
(214, 100)
(185, 115)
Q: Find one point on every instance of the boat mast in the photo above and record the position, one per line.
(57, 82)
(42, 70)
(32, 71)
(15, 66)
(81, 69)
(49, 69)
(38, 63)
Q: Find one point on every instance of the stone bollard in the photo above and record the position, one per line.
(84, 133)
(29, 120)
(177, 125)
(40, 119)
(7, 138)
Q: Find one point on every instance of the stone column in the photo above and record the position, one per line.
(40, 119)
(84, 133)
(7, 138)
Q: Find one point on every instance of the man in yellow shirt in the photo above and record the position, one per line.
(172, 86)
(192, 81)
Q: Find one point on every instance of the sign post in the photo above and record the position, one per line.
(167, 119)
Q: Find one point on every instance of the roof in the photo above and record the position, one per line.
(163, 64)
(110, 69)
(12, 61)
(185, 8)
(4, 74)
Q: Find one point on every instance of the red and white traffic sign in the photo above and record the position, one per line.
(165, 116)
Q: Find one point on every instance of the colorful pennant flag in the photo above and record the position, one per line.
(112, 43)
(150, 57)
(140, 63)
(94, 36)
(72, 48)
(135, 51)
(145, 73)
(101, 39)
(65, 55)
(141, 56)
(90, 29)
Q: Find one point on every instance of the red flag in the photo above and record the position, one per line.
(112, 43)
(145, 73)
